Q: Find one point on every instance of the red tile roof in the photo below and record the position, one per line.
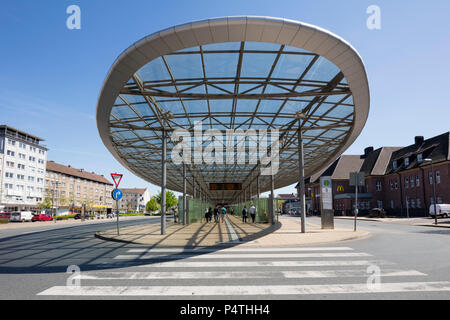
(133, 190)
(79, 173)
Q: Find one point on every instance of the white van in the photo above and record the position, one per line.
(21, 216)
(443, 210)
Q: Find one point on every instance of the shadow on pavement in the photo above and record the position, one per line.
(52, 251)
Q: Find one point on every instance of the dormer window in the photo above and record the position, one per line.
(394, 164)
(419, 158)
(406, 161)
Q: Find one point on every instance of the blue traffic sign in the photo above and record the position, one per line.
(116, 194)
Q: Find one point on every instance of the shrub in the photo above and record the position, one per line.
(4, 220)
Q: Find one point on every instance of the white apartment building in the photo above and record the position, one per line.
(22, 170)
(134, 200)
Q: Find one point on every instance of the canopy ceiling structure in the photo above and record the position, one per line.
(234, 73)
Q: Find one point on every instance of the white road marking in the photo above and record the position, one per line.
(242, 256)
(241, 274)
(245, 290)
(228, 264)
(240, 249)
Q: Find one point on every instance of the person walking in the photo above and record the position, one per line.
(244, 215)
(252, 211)
(206, 215)
(210, 213)
(223, 213)
(216, 214)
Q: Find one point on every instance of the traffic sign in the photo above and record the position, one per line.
(357, 178)
(116, 178)
(116, 194)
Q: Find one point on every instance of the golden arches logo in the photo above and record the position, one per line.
(340, 188)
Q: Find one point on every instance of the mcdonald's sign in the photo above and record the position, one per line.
(340, 188)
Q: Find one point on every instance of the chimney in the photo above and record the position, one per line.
(418, 140)
(366, 152)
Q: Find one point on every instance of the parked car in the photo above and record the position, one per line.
(443, 210)
(78, 216)
(377, 213)
(42, 217)
(5, 215)
(21, 216)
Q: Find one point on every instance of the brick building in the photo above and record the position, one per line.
(397, 179)
(68, 187)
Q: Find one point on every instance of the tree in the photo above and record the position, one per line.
(171, 199)
(151, 205)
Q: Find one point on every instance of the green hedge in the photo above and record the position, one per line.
(4, 220)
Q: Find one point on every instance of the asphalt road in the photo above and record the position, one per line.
(414, 263)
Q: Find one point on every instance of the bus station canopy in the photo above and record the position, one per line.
(234, 73)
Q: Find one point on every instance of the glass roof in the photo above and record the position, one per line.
(232, 85)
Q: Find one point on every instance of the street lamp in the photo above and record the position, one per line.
(434, 189)
(55, 185)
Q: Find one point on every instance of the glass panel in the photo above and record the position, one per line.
(123, 112)
(257, 65)
(246, 105)
(172, 106)
(154, 70)
(185, 66)
(222, 46)
(196, 106)
(322, 70)
(261, 46)
(291, 66)
(221, 65)
(220, 105)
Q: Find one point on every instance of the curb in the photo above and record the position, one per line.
(432, 225)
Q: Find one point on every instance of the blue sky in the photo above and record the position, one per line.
(50, 77)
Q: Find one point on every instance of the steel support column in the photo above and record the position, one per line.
(163, 183)
(184, 194)
(301, 178)
(272, 200)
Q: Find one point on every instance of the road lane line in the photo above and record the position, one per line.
(242, 256)
(228, 264)
(240, 249)
(252, 290)
(241, 274)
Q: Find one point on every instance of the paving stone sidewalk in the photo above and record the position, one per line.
(230, 232)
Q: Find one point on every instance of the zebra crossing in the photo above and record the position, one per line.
(248, 273)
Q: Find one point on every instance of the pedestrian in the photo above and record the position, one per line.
(252, 211)
(216, 214)
(244, 215)
(210, 213)
(206, 215)
(223, 213)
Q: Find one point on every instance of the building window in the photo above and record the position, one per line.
(419, 204)
(439, 200)
(392, 204)
(438, 177)
(431, 200)
(380, 204)
(396, 184)
(417, 181)
(406, 182)
(411, 181)
(394, 164)
(378, 186)
(419, 158)
(413, 203)
(406, 161)
(430, 175)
